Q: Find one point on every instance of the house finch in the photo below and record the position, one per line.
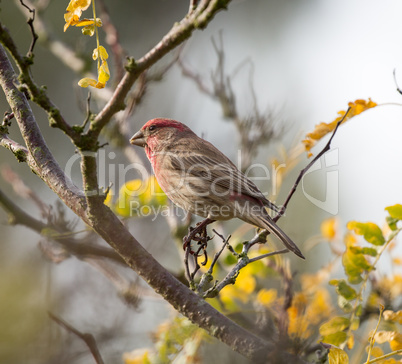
(200, 179)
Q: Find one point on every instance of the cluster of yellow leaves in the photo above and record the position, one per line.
(244, 291)
(101, 56)
(358, 261)
(72, 17)
(391, 335)
(323, 129)
(139, 198)
(307, 311)
(310, 306)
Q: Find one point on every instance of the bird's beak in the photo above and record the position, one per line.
(138, 139)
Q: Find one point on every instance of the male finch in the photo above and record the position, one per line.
(200, 179)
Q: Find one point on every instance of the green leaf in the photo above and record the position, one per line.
(334, 325)
(369, 251)
(352, 271)
(343, 289)
(337, 356)
(359, 310)
(395, 211)
(366, 251)
(336, 339)
(391, 221)
(370, 231)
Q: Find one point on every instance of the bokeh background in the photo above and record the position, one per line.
(306, 61)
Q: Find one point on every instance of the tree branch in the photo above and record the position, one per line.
(39, 158)
(111, 229)
(81, 248)
(87, 338)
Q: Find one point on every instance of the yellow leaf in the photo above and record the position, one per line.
(228, 297)
(103, 73)
(85, 82)
(100, 85)
(337, 356)
(376, 351)
(382, 337)
(298, 324)
(350, 342)
(78, 4)
(95, 54)
(323, 129)
(334, 325)
(138, 197)
(319, 307)
(393, 316)
(371, 232)
(396, 342)
(397, 261)
(395, 211)
(328, 228)
(85, 22)
(70, 19)
(102, 52)
(74, 11)
(245, 283)
(109, 198)
(267, 296)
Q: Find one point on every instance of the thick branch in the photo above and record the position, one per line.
(39, 159)
(110, 228)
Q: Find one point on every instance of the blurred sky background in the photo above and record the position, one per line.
(310, 58)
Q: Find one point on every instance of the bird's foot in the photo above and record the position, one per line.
(198, 234)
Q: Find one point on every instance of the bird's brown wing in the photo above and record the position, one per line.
(212, 165)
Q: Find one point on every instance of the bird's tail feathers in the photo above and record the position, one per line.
(272, 227)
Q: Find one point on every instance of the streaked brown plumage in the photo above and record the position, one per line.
(199, 178)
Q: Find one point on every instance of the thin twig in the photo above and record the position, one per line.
(188, 275)
(218, 254)
(193, 5)
(283, 251)
(89, 113)
(21, 189)
(396, 82)
(372, 340)
(304, 170)
(8, 116)
(87, 338)
(31, 26)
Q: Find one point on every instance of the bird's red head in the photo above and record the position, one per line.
(156, 132)
(164, 123)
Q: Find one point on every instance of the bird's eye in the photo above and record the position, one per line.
(152, 127)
